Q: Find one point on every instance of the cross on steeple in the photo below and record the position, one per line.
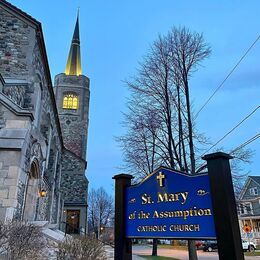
(160, 178)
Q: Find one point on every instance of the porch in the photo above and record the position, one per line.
(254, 223)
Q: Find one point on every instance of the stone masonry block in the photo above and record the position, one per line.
(16, 124)
(4, 193)
(13, 172)
(12, 192)
(10, 158)
(3, 173)
(2, 213)
(9, 202)
(10, 182)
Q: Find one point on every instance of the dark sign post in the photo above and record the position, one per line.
(123, 247)
(224, 207)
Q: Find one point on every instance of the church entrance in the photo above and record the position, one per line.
(72, 222)
(30, 203)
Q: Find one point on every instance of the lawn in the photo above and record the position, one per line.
(173, 247)
(252, 253)
(157, 257)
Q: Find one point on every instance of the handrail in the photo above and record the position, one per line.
(78, 229)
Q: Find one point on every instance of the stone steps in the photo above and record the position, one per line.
(53, 237)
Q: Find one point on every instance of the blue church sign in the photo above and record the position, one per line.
(170, 204)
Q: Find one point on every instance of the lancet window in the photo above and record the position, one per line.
(70, 101)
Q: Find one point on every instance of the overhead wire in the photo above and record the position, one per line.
(229, 74)
(230, 131)
(250, 140)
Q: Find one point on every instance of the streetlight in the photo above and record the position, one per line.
(42, 193)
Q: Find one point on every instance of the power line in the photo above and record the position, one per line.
(252, 139)
(229, 74)
(229, 132)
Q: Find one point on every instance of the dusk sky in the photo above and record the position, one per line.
(116, 34)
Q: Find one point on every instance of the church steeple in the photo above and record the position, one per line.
(73, 66)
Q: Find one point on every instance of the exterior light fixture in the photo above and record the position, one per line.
(42, 193)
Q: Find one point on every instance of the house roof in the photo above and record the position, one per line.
(255, 178)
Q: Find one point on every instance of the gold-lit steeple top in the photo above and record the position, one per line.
(73, 66)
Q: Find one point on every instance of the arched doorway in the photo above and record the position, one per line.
(31, 196)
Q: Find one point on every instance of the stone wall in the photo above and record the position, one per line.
(13, 135)
(74, 133)
(9, 170)
(73, 181)
(16, 44)
(28, 120)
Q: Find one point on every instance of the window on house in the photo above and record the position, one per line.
(248, 208)
(253, 191)
(245, 208)
(70, 101)
(241, 209)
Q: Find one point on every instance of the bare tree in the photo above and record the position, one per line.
(240, 156)
(140, 144)
(161, 130)
(100, 209)
(160, 125)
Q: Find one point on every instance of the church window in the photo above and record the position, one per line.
(70, 101)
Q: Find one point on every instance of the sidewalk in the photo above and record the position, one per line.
(110, 254)
(135, 257)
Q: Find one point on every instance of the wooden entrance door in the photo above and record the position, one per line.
(73, 217)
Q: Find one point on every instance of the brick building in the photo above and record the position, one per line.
(43, 129)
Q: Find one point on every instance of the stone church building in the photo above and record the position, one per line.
(43, 128)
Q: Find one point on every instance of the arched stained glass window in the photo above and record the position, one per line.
(70, 101)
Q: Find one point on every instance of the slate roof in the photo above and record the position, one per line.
(17, 10)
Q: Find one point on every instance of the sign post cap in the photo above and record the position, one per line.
(123, 176)
(217, 155)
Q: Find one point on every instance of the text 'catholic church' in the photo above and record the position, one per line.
(43, 129)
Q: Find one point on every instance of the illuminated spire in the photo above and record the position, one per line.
(73, 66)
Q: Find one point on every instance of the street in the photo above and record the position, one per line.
(181, 254)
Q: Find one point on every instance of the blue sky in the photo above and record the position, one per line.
(114, 37)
